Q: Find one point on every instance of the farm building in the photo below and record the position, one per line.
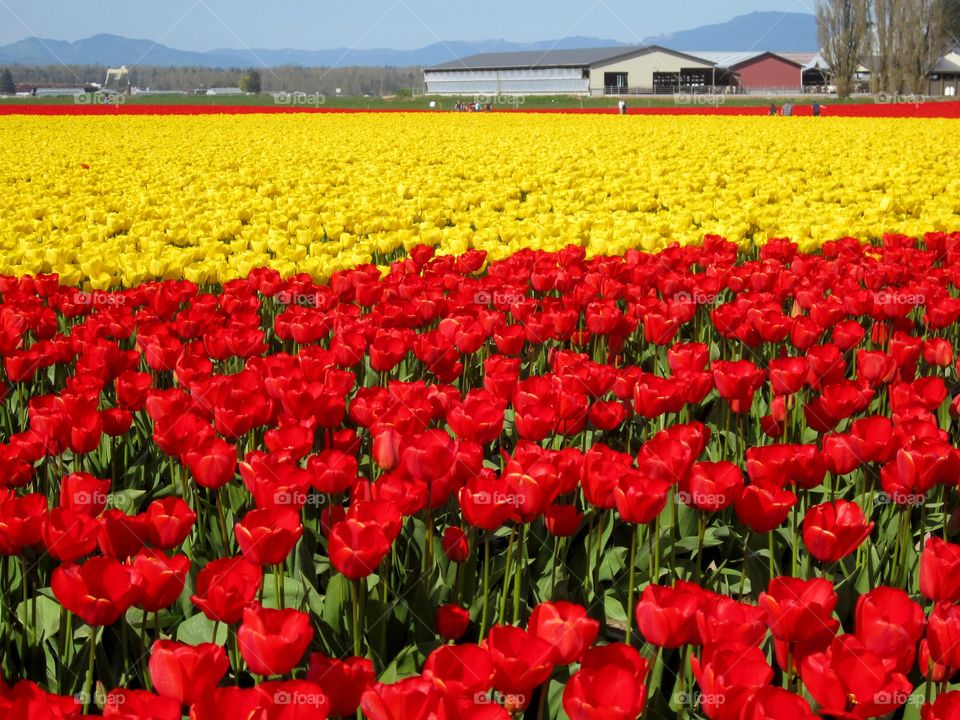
(592, 71)
(757, 71)
(945, 76)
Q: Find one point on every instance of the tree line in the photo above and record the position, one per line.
(326, 81)
(898, 41)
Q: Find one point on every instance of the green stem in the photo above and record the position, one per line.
(518, 574)
(88, 685)
(486, 585)
(501, 617)
(631, 581)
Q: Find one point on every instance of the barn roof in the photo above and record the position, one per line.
(949, 63)
(736, 59)
(576, 57)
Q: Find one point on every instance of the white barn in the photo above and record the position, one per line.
(590, 71)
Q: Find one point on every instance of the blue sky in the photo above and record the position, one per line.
(400, 24)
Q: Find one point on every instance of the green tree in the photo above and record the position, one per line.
(7, 86)
(251, 82)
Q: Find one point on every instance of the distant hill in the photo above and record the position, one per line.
(779, 31)
(790, 32)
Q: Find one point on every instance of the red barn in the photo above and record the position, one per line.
(756, 71)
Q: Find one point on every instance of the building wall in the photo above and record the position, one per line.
(769, 73)
(490, 83)
(640, 70)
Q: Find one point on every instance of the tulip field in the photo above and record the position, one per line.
(429, 417)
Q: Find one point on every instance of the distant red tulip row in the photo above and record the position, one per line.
(896, 108)
(705, 482)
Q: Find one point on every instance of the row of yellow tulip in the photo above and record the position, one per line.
(110, 201)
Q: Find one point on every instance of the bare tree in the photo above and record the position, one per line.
(910, 36)
(923, 42)
(885, 73)
(843, 28)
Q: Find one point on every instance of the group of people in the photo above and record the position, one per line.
(787, 109)
(473, 107)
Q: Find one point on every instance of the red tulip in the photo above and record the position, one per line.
(562, 520)
(411, 699)
(566, 627)
(940, 570)
(186, 673)
(456, 545)
(667, 616)
(124, 704)
(268, 535)
(773, 703)
(834, 530)
(723, 619)
(342, 681)
(727, 675)
(68, 535)
(225, 586)
(943, 634)
(521, 660)
(213, 464)
(460, 670)
(168, 522)
(849, 681)
(763, 508)
(640, 499)
(711, 486)
(99, 591)
(163, 578)
(295, 700)
(452, 621)
(736, 382)
(355, 549)
(945, 707)
(84, 493)
(610, 685)
(798, 609)
(889, 624)
(272, 642)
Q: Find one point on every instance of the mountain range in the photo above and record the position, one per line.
(785, 32)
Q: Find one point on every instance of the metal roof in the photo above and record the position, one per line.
(950, 63)
(735, 59)
(578, 57)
